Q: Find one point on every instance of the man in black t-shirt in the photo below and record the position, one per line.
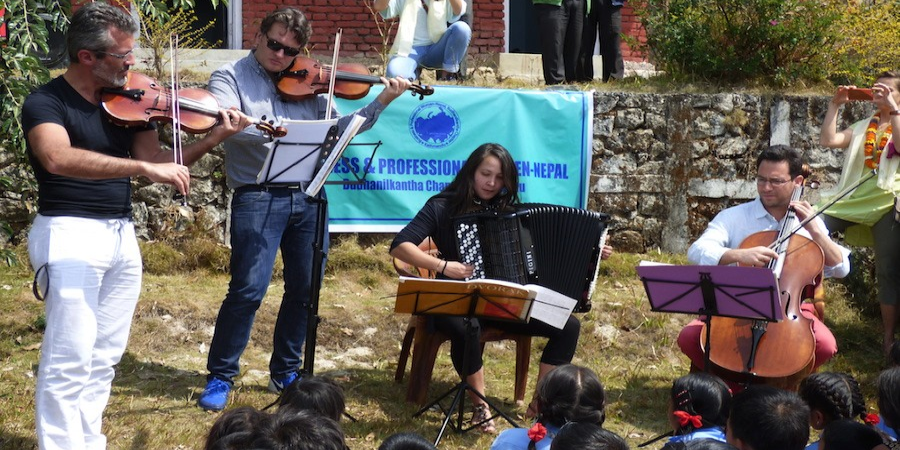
(82, 242)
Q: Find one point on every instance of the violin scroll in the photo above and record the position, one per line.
(421, 90)
(269, 128)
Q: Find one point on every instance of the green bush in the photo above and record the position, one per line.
(777, 42)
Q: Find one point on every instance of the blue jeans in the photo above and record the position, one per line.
(446, 53)
(262, 221)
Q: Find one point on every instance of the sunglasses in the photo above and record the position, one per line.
(275, 46)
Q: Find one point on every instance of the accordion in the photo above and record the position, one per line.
(553, 246)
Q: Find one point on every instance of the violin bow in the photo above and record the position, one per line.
(175, 104)
(333, 76)
(838, 197)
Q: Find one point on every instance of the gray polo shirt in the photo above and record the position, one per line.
(246, 85)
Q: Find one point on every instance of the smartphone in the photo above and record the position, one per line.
(859, 94)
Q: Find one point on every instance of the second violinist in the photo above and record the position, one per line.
(266, 218)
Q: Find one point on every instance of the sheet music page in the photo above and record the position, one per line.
(551, 307)
(349, 133)
(496, 299)
(302, 142)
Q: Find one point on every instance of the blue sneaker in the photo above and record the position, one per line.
(279, 384)
(215, 396)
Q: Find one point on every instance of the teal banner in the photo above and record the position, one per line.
(423, 144)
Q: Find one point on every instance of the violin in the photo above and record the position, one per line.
(306, 78)
(779, 353)
(142, 100)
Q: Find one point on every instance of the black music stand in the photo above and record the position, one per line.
(308, 169)
(728, 291)
(489, 299)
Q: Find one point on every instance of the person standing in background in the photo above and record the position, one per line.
(559, 27)
(604, 21)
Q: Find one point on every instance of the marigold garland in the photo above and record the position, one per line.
(873, 153)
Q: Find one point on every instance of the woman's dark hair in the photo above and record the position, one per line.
(849, 435)
(406, 441)
(234, 426)
(587, 436)
(314, 393)
(701, 394)
(292, 19)
(461, 190)
(888, 385)
(570, 393)
(836, 395)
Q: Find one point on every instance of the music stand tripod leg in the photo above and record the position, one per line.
(459, 392)
(315, 284)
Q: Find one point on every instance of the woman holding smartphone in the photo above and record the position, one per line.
(867, 214)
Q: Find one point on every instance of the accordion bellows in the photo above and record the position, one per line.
(557, 247)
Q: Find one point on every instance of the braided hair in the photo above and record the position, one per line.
(700, 394)
(836, 395)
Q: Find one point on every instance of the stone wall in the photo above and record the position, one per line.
(663, 165)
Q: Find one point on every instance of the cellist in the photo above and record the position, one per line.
(778, 173)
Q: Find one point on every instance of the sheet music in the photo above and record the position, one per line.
(352, 128)
(502, 299)
(293, 158)
(551, 307)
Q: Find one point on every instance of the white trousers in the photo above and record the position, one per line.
(90, 273)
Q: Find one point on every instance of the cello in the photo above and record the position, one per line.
(779, 353)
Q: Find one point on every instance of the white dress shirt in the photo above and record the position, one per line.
(732, 225)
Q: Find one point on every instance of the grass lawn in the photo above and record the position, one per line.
(153, 404)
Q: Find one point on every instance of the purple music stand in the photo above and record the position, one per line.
(728, 291)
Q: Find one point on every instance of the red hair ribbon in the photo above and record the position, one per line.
(871, 419)
(537, 432)
(685, 418)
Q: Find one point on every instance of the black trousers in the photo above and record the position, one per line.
(560, 30)
(560, 347)
(604, 20)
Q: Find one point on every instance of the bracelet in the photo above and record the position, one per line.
(895, 112)
(445, 267)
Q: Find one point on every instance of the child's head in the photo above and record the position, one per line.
(889, 396)
(698, 399)
(764, 417)
(314, 393)
(235, 426)
(849, 435)
(570, 393)
(406, 441)
(831, 396)
(587, 436)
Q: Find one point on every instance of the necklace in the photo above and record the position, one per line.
(873, 152)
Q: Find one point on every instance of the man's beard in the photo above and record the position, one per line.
(112, 78)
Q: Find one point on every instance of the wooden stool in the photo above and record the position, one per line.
(425, 346)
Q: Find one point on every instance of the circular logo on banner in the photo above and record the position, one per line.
(434, 124)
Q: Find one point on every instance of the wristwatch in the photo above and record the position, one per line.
(895, 112)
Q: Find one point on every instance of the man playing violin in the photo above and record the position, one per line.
(264, 218)
(778, 174)
(82, 242)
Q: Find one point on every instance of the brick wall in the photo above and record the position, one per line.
(361, 35)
